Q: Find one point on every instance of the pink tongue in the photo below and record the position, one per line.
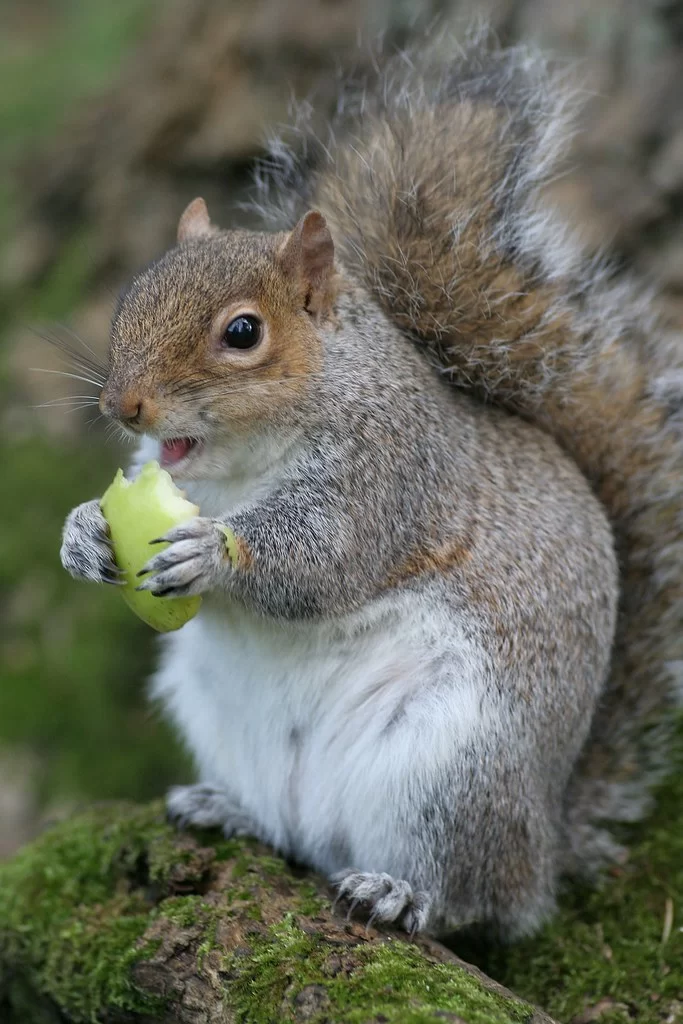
(175, 450)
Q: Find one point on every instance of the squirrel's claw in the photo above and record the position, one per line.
(391, 900)
(86, 551)
(191, 564)
(190, 530)
(173, 555)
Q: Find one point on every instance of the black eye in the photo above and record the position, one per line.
(242, 332)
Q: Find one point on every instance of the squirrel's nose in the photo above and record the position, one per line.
(129, 407)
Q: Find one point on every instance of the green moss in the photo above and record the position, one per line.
(272, 865)
(75, 906)
(607, 943)
(391, 981)
(185, 911)
(309, 903)
(72, 911)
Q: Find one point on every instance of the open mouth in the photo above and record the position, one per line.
(176, 449)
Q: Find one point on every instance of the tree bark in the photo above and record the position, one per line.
(114, 917)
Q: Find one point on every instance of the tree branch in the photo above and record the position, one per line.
(114, 917)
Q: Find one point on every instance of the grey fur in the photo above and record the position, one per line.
(383, 496)
(86, 551)
(387, 463)
(389, 900)
(207, 807)
(442, 218)
(197, 554)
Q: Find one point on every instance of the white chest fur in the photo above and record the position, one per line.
(328, 736)
(318, 731)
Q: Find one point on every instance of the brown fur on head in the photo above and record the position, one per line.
(173, 369)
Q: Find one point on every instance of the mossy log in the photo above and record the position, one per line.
(114, 917)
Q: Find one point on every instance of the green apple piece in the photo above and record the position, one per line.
(138, 511)
(231, 547)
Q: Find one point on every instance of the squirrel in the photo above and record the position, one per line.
(445, 652)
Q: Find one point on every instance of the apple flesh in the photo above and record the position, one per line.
(138, 511)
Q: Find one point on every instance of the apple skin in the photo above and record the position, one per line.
(138, 511)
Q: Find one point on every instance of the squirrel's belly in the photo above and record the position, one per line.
(311, 728)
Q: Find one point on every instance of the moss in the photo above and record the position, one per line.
(240, 868)
(607, 943)
(391, 981)
(309, 903)
(72, 912)
(185, 911)
(78, 907)
(75, 904)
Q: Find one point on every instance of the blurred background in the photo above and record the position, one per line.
(114, 116)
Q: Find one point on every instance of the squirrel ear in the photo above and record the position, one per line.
(308, 254)
(195, 221)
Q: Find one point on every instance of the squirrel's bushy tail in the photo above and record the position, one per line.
(431, 181)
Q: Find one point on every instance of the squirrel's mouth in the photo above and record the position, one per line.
(175, 449)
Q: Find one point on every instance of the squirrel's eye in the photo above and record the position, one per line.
(242, 332)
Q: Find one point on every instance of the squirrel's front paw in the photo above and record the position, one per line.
(194, 562)
(86, 551)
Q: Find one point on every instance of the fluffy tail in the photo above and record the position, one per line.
(431, 181)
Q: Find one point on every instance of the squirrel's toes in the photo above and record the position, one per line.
(388, 899)
(206, 807)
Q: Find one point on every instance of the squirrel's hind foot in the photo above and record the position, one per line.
(206, 807)
(389, 900)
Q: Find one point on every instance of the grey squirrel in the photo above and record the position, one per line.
(448, 649)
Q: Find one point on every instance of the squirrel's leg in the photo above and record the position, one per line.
(287, 557)
(453, 819)
(206, 806)
(488, 865)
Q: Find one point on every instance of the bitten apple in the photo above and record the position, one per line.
(138, 511)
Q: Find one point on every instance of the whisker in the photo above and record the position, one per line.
(80, 359)
(57, 336)
(64, 409)
(81, 341)
(66, 373)
(66, 403)
(69, 398)
(83, 367)
(75, 355)
(93, 420)
(115, 428)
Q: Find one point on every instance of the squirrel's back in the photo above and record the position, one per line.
(431, 181)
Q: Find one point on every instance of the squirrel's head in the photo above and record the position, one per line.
(221, 334)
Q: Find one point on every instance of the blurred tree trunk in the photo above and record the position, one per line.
(211, 79)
